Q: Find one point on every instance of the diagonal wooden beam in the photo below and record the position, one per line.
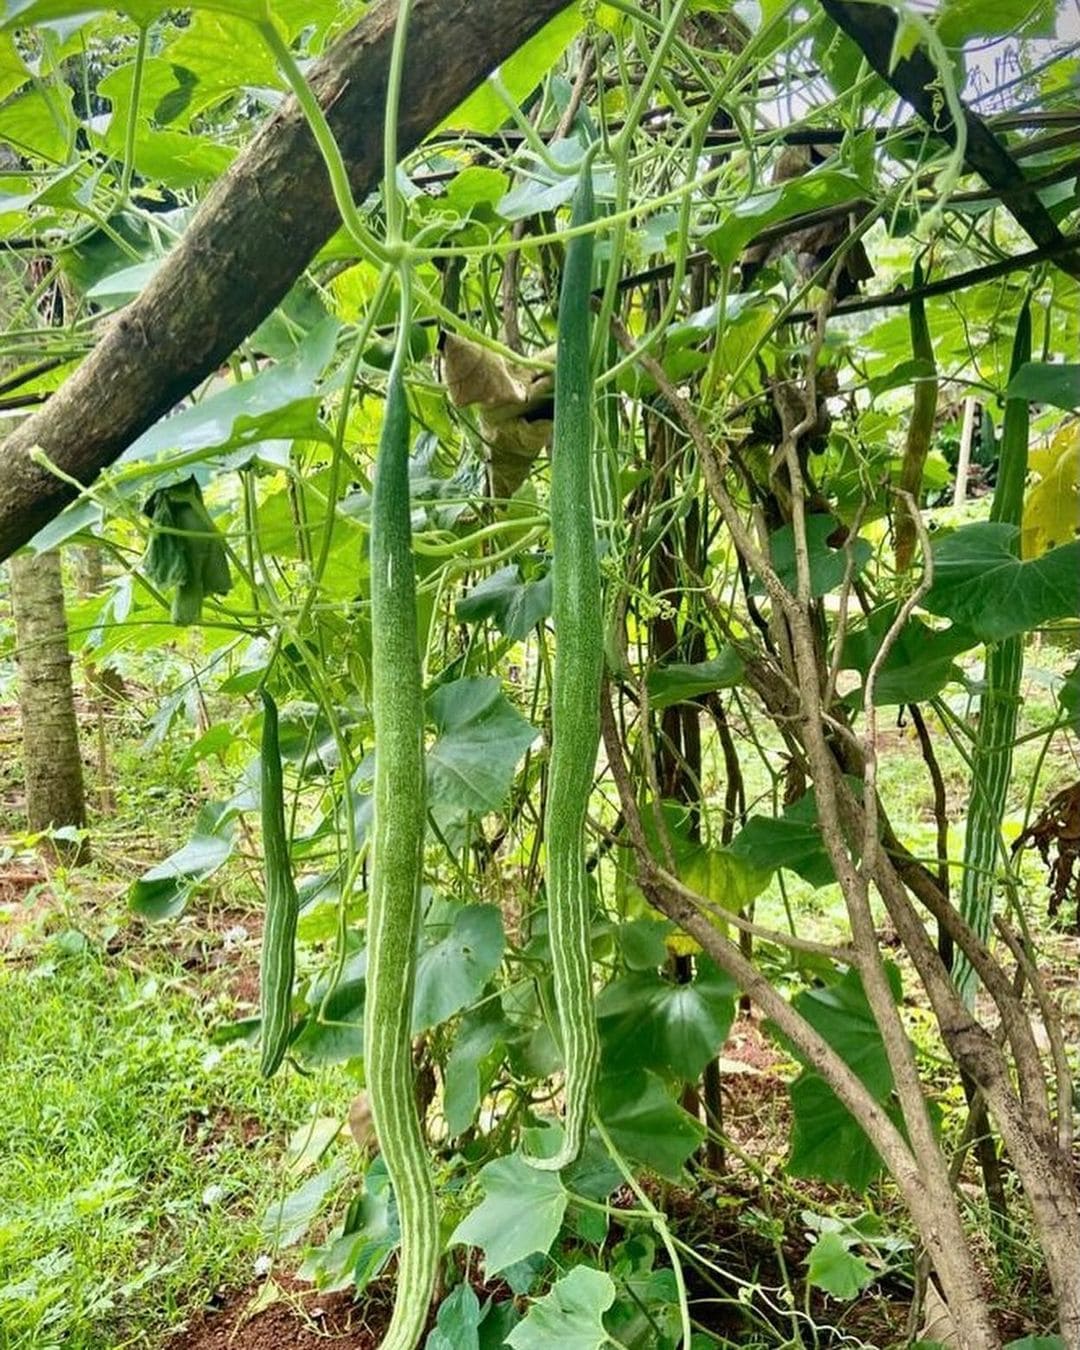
(914, 77)
(251, 239)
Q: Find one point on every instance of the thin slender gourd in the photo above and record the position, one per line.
(397, 860)
(992, 755)
(920, 427)
(575, 706)
(278, 956)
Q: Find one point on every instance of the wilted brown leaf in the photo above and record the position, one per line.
(514, 403)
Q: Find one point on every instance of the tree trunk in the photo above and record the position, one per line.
(52, 765)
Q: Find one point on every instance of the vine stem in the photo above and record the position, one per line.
(370, 249)
(659, 1223)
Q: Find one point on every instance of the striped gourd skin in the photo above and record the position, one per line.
(920, 428)
(575, 713)
(397, 858)
(278, 957)
(992, 755)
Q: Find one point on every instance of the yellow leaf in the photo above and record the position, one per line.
(1052, 504)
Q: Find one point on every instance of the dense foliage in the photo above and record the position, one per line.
(826, 374)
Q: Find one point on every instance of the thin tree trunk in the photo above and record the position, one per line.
(52, 764)
(103, 685)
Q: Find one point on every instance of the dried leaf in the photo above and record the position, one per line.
(514, 403)
(361, 1124)
(475, 375)
(938, 1324)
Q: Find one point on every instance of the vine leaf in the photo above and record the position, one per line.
(827, 564)
(481, 737)
(1044, 382)
(826, 1141)
(452, 972)
(281, 403)
(357, 1251)
(478, 1049)
(821, 187)
(288, 1219)
(484, 111)
(649, 1022)
(722, 876)
(521, 1213)
(458, 1324)
(645, 1122)
(960, 20)
(833, 1268)
(163, 890)
(1052, 505)
(981, 583)
(515, 604)
(679, 682)
(791, 840)
(920, 663)
(569, 1316)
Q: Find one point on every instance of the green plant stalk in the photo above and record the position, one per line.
(920, 428)
(575, 714)
(992, 753)
(132, 127)
(369, 248)
(397, 862)
(277, 965)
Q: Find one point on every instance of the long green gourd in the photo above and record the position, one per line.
(920, 427)
(991, 763)
(575, 712)
(277, 958)
(397, 860)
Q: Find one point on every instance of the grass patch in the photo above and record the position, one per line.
(140, 1157)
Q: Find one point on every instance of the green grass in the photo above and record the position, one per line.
(140, 1158)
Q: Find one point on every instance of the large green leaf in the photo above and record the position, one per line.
(334, 1030)
(357, 1253)
(288, 1219)
(821, 187)
(478, 1047)
(13, 71)
(646, 1123)
(521, 1213)
(163, 890)
(981, 583)
(452, 972)
(280, 402)
(921, 661)
(826, 1142)
(1042, 382)
(457, 1326)
(827, 564)
(480, 739)
(960, 20)
(516, 605)
(37, 126)
(678, 682)
(838, 1271)
(568, 1317)
(650, 1022)
(792, 840)
(484, 111)
(719, 874)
